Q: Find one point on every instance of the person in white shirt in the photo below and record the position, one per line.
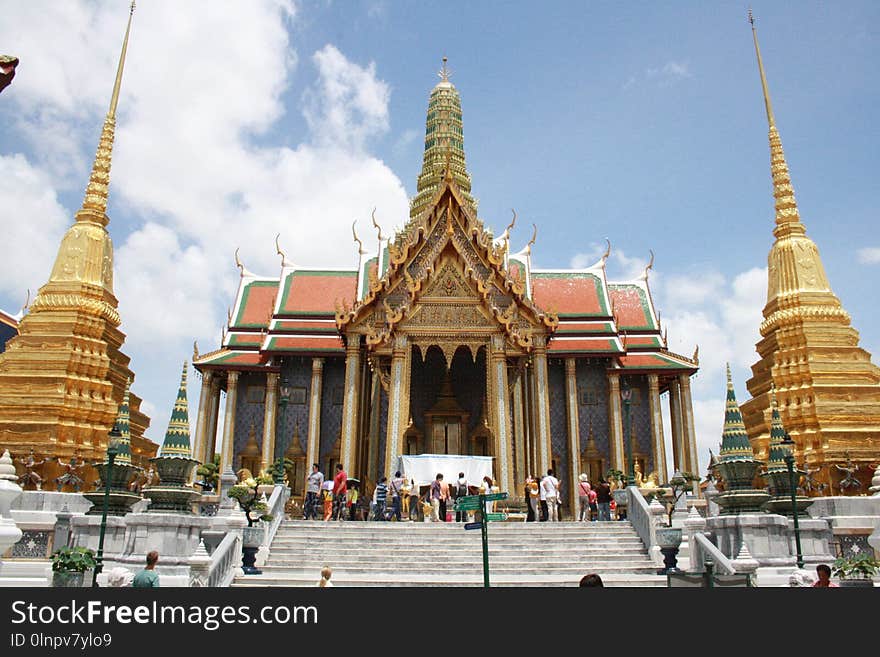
(550, 490)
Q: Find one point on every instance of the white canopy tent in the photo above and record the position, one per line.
(425, 467)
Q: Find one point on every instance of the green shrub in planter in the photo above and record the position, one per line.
(69, 565)
(859, 567)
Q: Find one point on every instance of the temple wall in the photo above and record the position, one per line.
(559, 423)
(298, 372)
(640, 416)
(590, 374)
(248, 411)
(331, 407)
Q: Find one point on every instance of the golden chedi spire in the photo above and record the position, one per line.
(63, 377)
(444, 146)
(828, 389)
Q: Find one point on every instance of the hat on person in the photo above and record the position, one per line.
(583, 477)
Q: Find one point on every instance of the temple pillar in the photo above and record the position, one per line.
(519, 433)
(270, 408)
(678, 460)
(226, 454)
(398, 401)
(615, 422)
(689, 436)
(350, 401)
(372, 467)
(657, 442)
(574, 434)
(314, 433)
(500, 403)
(541, 408)
(202, 417)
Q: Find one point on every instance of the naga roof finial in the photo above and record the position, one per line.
(650, 266)
(377, 226)
(361, 250)
(195, 350)
(531, 242)
(238, 263)
(284, 261)
(607, 251)
(506, 234)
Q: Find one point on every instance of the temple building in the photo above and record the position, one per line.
(444, 340)
(63, 376)
(827, 387)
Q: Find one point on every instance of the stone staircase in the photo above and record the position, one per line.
(445, 554)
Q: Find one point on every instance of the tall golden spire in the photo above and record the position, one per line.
(94, 207)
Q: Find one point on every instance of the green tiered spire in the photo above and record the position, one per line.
(444, 146)
(735, 445)
(777, 436)
(177, 437)
(123, 418)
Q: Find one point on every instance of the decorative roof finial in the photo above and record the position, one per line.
(531, 243)
(607, 251)
(377, 227)
(360, 244)
(506, 234)
(444, 72)
(284, 261)
(696, 356)
(649, 267)
(769, 107)
(195, 350)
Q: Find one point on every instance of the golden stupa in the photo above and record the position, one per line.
(828, 388)
(63, 377)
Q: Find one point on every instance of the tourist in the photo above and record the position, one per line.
(380, 498)
(824, 581)
(414, 501)
(396, 488)
(603, 499)
(487, 484)
(543, 499)
(313, 491)
(550, 485)
(436, 493)
(460, 490)
(148, 577)
(534, 497)
(594, 506)
(583, 498)
(592, 579)
(530, 514)
(325, 577)
(444, 498)
(328, 499)
(352, 500)
(340, 488)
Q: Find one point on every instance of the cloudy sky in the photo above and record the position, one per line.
(642, 123)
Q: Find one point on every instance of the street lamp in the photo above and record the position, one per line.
(626, 395)
(283, 399)
(788, 445)
(112, 450)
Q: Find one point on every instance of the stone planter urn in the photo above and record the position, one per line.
(668, 540)
(620, 502)
(67, 578)
(252, 537)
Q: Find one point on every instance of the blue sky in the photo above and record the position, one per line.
(640, 122)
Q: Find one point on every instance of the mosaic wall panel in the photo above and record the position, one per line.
(559, 422)
(248, 412)
(33, 544)
(332, 398)
(425, 382)
(383, 430)
(592, 385)
(640, 417)
(298, 372)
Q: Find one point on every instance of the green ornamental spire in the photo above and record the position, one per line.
(177, 437)
(444, 146)
(735, 444)
(122, 423)
(777, 435)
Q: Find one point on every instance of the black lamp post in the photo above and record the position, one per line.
(626, 396)
(283, 399)
(788, 444)
(112, 451)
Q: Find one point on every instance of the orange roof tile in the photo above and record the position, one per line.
(316, 292)
(304, 343)
(257, 302)
(569, 293)
(631, 307)
(653, 361)
(585, 345)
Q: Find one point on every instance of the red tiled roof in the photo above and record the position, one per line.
(653, 361)
(304, 343)
(584, 327)
(243, 358)
(305, 325)
(642, 341)
(631, 307)
(569, 293)
(316, 292)
(257, 302)
(584, 345)
(245, 340)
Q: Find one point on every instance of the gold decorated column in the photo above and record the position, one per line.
(314, 433)
(519, 433)
(398, 401)
(350, 401)
(202, 417)
(542, 408)
(229, 422)
(678, 459)
(657, 442)
(689, 437)
(372, 466)
(574, 434)
(615, 422)
(500, 402)
(270, 409)
(209, 446)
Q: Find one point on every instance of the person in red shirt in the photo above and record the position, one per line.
(340, 489)
(824, 573)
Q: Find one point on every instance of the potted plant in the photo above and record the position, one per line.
(856, 570)
(280, 468)
(669, 537)
(210, 474)
(69, 565)
(252, 502)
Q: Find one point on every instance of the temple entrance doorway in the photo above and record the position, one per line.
(448, 403)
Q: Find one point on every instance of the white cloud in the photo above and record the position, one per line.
(668, 74)
(619, 267)
(869, 255)
(33, 222)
